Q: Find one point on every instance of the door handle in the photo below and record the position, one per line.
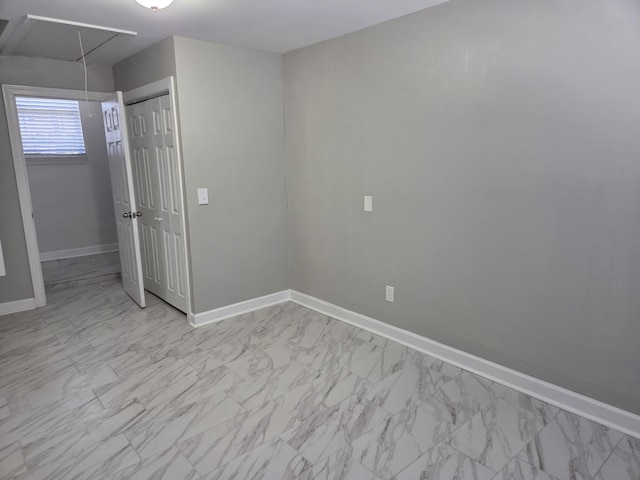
(136, 214)
(126, 214)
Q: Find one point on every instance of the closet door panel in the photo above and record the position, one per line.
(157, 182)
(145, 172)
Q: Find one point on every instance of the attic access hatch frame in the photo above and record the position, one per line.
(93, 55)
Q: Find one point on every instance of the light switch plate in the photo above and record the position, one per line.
(368, 203)
(203, 196)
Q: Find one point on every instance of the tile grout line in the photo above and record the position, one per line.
(456, 428)
(608, 456)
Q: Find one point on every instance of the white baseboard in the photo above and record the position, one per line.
(582, 405)
(218, 314)
(78, 252)
(616, 418)
(17, 306)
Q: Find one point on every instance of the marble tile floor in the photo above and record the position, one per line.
(102, 266)
(92, 387)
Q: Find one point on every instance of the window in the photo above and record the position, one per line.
(50, 128)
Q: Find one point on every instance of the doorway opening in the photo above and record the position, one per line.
(102, 260)
(64, 149)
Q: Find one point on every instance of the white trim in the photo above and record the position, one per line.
(17, 306)
(24, 195)
(154, 89)
(82, 25)
(151, 90)
(78, 252)
(582, 405)
(222, 313)
(26, 91)
(56, 159)
(3, 271)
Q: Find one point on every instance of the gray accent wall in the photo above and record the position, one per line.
(232, 128)
(499, 140)
(72, 203)
(16, 285)
(154, 63)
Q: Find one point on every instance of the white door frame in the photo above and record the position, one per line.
(156, 89)
(10, 92)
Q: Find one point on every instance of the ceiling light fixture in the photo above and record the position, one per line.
(155, 5)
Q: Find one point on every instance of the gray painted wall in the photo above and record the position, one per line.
(41, 73)
(154, 63)
(499, 140)
(230, 108)
(72, 203)
(232, 127)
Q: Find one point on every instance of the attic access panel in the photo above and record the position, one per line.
(58, 39)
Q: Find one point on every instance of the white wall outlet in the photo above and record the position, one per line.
(203, 196)
(368, 203)
(389, 294)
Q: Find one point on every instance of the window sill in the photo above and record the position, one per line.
(56, 159)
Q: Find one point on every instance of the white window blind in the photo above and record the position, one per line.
(50, 126)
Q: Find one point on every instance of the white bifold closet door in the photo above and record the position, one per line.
(156, 177)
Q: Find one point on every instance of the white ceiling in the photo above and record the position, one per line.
(272, 25)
